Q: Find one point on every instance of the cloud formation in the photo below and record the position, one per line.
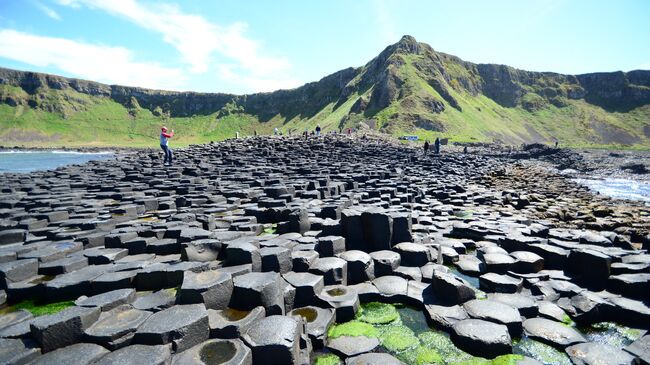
(47, 11)
(197, 40)
(113, 65)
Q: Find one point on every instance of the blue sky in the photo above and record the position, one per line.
(248, 46)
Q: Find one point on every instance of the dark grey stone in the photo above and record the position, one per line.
(590, 353)
(348, 346)
(138, 355)
(108, 301)
(552, 333)
(115, 328)
(212, 288)
(274, 340)
(182, 325)
(481, 338)
(80, 353)
(258, 289)
(232, 323)
(226, 352)
(64, 328)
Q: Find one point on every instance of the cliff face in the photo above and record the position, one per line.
(408, 86)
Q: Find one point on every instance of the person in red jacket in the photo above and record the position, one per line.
(164, 138)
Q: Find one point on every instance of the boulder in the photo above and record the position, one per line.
(449, 288)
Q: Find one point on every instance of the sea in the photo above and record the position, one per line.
(27, 161)
(619, 188)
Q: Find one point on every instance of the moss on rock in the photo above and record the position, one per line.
(327, 359)
(398, 338)
(353, 328)
(377, 313)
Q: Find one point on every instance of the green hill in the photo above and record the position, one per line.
(407, 89)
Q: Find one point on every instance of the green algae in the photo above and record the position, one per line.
(353, 328)
(398, 338)
(441, 342)
(568, 321)
(507, 360)
(377, 313)
(327, 359)
(611, 333)
(541, 352)
(37, 308)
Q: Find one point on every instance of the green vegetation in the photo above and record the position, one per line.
(38, 309)
(542, 352)
(377, 313)
(398, 338)
(327, 359)
(423, 92)
(352, 328)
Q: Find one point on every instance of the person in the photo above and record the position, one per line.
(276, 131)
(465, 149)
(556, 143)
(318, 130)
(436, 146)
(164, 144)
(426, 146)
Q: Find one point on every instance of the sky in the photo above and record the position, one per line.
(237, 46)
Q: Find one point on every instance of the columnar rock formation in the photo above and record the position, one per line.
(247, 251)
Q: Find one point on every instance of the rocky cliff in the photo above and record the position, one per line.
(407, 87)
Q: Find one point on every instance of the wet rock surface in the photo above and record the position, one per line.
(265, 242)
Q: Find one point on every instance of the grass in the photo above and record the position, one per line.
(69, 118)
(39, 309)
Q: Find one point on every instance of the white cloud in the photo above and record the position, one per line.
(257, 83)
(113, 65)
(47, 11)
(197, 39)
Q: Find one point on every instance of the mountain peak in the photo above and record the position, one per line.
(408, 44)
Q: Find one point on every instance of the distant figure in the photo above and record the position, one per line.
(164, 144)
(426, 147)
(255, 132)
(237, 134)
(318, 130)
(276, 131)
(349, 131)
(465, 149)
(556, 143)
(436, 146)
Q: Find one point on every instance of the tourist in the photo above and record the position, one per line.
(164, 140)
(436, 146)
(426, 146)
(276, 131)
(318, 130)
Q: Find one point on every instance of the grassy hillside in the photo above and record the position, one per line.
(407, 89)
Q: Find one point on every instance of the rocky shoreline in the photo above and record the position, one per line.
(250, 250)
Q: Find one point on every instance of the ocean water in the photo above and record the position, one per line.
(27, 161)
(619, 188)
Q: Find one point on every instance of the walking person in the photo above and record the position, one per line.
(436, 146)
(164, 144)
(318, 130)
(426, 146)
